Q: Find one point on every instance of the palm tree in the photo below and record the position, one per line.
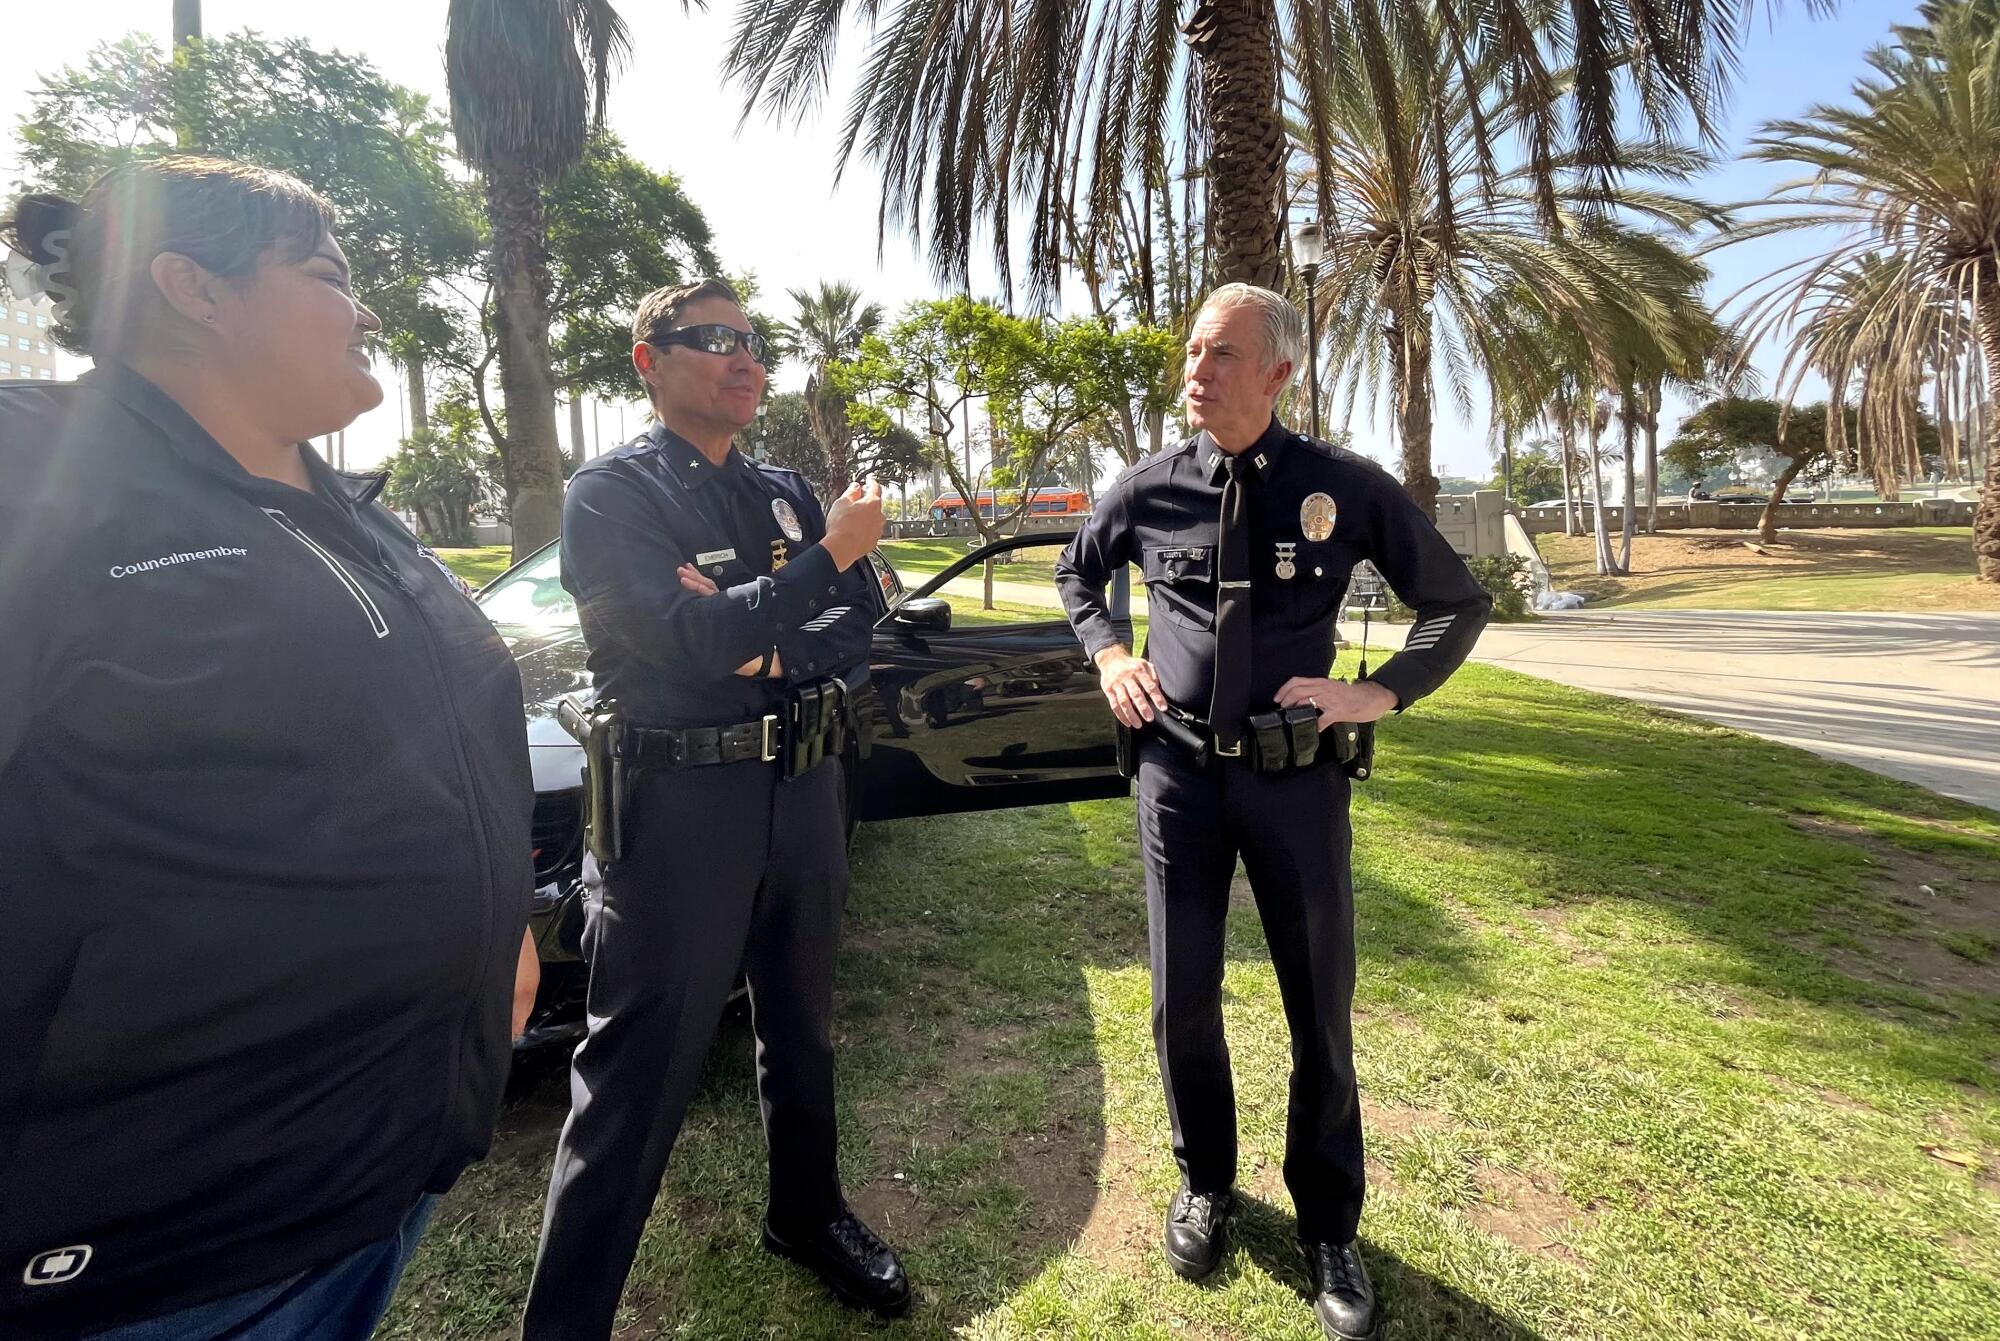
(1061, 108)
(1909, 299)
(1435, 261)
(528, 80)
(829, 330)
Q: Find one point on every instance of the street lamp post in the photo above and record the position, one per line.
(1308, 250)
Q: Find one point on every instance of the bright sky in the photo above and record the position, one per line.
(769, 192)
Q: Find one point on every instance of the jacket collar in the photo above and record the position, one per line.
(686, 461)
(195, 445)
(1264, 455)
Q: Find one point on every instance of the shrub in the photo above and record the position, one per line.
(1505, 577)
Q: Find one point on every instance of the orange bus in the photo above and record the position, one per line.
(1052, 502)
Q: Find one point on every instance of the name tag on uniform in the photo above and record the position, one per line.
(714, 556)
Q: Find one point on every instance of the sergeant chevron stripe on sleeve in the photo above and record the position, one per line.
(825, 620)
(1428, 633)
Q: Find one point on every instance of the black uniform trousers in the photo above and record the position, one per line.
(1291, 830)
(723, 866)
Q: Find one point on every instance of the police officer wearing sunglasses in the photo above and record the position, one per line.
(722, 613)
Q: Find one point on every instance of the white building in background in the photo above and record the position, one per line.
(25, 348)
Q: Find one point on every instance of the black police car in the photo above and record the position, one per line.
(977, 717)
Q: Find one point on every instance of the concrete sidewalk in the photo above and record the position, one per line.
(1915, 697)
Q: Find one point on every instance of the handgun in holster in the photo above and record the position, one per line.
(598, 727)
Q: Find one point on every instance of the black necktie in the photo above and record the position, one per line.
(1231, 702)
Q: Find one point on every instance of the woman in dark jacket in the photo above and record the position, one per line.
(264, 794)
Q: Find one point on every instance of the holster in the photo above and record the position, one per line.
(815, 724)
(598, 727)
(1184, 731)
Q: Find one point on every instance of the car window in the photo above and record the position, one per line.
(531, 594)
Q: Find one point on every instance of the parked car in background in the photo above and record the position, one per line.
(981, 717)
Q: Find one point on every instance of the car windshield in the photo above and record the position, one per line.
(531, 594)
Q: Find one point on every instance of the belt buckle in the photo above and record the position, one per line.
(770, 748)
(1235, 753)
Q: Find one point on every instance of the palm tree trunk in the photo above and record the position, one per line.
(1569, 478)
(1410, 356)
(530, 457)
(1986, 521)
(187, 22)
(420, 409)
(576, 457)
(1653, 459)
(1628, 516)
(1235, 44)
(1598, 534)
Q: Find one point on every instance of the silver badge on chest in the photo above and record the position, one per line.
(1287, 553)
(1316, 516)
(788, 520)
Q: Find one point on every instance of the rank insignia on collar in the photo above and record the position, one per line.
(788, 520)
(779, 556)
(1316, 516)
(1287, 551)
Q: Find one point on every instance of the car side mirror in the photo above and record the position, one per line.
(923, 614)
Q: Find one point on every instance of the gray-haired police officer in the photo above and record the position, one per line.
(718, 609)
(1246, 536)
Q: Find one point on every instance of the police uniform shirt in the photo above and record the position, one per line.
(1316, 511)
(669, 657)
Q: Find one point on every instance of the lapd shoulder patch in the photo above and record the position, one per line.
(1316, 516)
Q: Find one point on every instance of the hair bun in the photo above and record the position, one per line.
(36, 217)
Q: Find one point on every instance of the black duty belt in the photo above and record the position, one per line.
(655, 747)
(1283, 740)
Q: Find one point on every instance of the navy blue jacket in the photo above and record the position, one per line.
(1316, 510)
(264, 800)
(669, 657)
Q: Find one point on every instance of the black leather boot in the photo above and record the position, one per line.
(1197, 1225)
(1343, 1298)
(846, 1254)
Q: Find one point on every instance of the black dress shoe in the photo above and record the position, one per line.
(1343, 1299)
(851, 1261)
(1197, 1225)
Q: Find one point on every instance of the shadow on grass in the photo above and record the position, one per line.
(1414, 1303)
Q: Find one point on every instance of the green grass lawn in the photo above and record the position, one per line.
(1907, 569)
(479, 564)
(1663, 1032)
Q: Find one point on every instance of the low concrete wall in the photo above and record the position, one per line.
(1712, 516)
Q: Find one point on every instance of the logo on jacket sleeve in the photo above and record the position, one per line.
(57, 1265)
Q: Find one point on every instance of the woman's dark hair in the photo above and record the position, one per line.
(98, 252)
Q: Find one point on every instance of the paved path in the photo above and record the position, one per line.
(1915, 697)
(1911, 696)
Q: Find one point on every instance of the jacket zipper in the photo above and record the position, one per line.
(354, 588)
(474, 812)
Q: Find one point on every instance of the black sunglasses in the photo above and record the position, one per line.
(716, 339)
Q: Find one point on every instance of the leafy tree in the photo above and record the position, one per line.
(617, 231)
(528, 80)
(1711, 439)
(1537, 474)
(445, 474)
(374, 148)
(1072, 108)
(1909, 297)
(1038, 381)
